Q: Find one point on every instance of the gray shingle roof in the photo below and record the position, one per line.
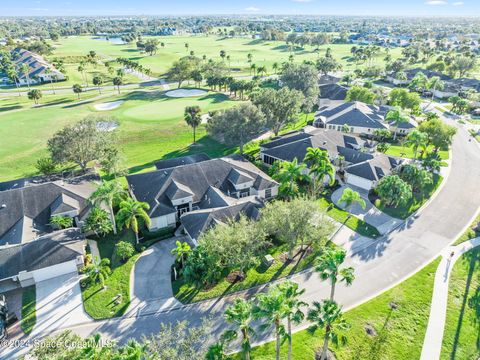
(333, 92)
(355, 114)
(183, 160)
(375, 168)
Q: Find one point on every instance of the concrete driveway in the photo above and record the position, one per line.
(59, 304)
(151, 289)
(383, 222)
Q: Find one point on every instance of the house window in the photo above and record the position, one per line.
(268, 160)
(244, 193)
(182, 209)
(268, 193)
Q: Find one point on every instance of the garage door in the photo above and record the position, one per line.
(358, 181)
(54, 271)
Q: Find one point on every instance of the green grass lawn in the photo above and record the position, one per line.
(354, 223)
(400, 332)
(29, 316)
(99, 303)
(188, 293)
(407, 152)
(471, 233)
(462, 328)
(419, 198)
(151, 127)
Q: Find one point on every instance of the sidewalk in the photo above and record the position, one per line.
(432, 345)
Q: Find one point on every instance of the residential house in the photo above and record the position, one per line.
(411, 73)
(40, 71)
(332, 94)
(192, 187)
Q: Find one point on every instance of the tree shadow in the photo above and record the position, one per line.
(9, 108)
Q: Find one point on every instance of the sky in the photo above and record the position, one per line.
(254, 7)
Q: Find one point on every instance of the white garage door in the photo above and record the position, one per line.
(358, 181)
(54, 271)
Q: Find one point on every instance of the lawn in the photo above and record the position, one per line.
(29, 316)
(188, 293)
(400, 332)
(472, 232)
(99, 303)
(350, 221)
(407, 152)
(151, 127)
(418, 199)
(462, 328)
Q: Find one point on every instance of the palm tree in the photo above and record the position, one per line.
(181, 251)
(328, 268)
(26, 71)
(118, 81)
(13, 76)
(107, 193)
(193, 118)
(98, 270)
(349, 198)
(34, 95)
(397, 118)
(240, 314)
(293, 308)
(130, 213)
(223, 54)
(435, 83)
(289, 174)
(320, 166)
(253, 68)
(417, 139)
(275, 67)
(262, 70)
(49, 72)
(97, 81)
(98, 221)
(81, 70)
(133, 350)
(272, 307)
(328, 315)
(249, 57)
(77, 89)
(186, 47)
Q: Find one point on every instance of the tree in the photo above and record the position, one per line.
(79, 143)
(290, 174)
(393, 190)
(271, 307)
(77, 89)
(280, 107)
(117, 81)
(13, 76)
(34, 95)
(97, 81)
(362, 94)
(305, 224)
(61, 222)
(98, 221)
(151, 46)
(463, 65)
(404, 99)
(124, 250)
(113, 162)
(193, 118)
(48, 71)
(419, 82)
(459, 105)
(396, 117)
(293, 308)
(439, 134)
(327, 64)
(434, 84)
(417, 139)
(98, 270)
(349, 198)
(240, 314)
(46, 166)
(131, 214)
(302, 77)
(181, 251)
(328, 315)
(237, 125)
(181, 70)
(416, 177)
(320, 167)
(328, 268)
(25, 68)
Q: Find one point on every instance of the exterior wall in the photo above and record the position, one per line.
(328, 102)
(353, 129)
(182, 201)
(394, 81)
(164, 221)
(261, 193)
(358, 181)
(70, 214)
(54, 271)
(444, 95)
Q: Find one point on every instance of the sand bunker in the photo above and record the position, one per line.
(180, 93)
(108, 105)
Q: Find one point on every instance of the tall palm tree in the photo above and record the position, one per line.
(328, 268)
(435, 83)
(397, 118)
(417, 139)
(253, 68)
(98, 270)
(240, 314)
(290, 173)
(181, 251)
(13, 76)
(320, 166)
(108, 192)
(275, 67)
(349, 198)
(193, 118)
(328, 315)
(26, 71)
(130, 213)
(272, 308)
(49, 72)
(293, 308)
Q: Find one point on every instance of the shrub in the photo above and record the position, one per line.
(124, 250)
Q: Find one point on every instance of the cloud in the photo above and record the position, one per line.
(252, 8)
(458, 3)
(436, 2)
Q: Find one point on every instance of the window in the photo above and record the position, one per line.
(182, 209)
(244, 193)
(268, 193)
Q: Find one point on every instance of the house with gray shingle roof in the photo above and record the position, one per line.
(40, 71)
(205, 186)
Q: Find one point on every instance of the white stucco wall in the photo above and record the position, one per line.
(358, 181)
(164, 221)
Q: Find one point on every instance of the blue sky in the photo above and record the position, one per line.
(186, 7)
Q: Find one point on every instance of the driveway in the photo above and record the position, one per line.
(59, 304)
(383, 222)
(151, 290)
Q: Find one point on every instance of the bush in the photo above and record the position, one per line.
(124, 250)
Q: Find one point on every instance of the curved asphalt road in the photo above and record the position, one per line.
(378, 267)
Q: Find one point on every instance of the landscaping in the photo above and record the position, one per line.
(392, 334)
(29, 317)
(419, 198)
(408, 152)
(472, 232)
(460, 339)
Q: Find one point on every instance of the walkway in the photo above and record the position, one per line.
(432, 345)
